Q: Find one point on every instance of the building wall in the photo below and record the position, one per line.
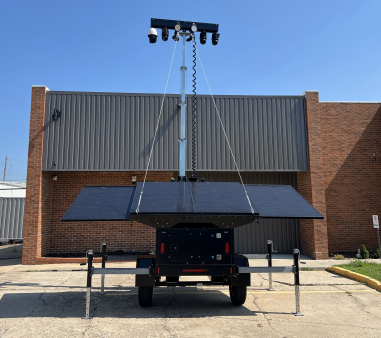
(343, 184)
(352, 174)
(108, 131)
(344, 181)
(11, 218)
(35, 241)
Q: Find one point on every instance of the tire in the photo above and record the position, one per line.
(238, 294)
(145, 295)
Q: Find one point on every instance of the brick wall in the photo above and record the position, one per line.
(313, 233)
(35, 222)
(352, 175)
(344, 182)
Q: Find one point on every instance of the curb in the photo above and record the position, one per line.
(373, 283)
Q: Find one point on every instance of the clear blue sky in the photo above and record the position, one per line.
(266, 48)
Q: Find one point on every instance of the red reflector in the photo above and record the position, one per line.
(158, 270)
(227, 248)
(231, 270)
(162, 248)
(195, 270)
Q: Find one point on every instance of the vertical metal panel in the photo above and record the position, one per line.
(252, 238)
(11, 218)
(106, 131)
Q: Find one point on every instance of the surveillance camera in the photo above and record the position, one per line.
(203, 37)
(215, 38)
(152, 35)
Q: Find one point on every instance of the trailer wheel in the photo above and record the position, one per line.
(237, 294)
(145, 295)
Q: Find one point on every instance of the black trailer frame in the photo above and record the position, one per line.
(149, 273)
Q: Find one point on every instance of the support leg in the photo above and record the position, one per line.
(104, 259)
(297, 282)
(90, 256)
(270, 264)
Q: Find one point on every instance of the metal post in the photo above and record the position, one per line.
(379, 245)
(104, 259)
(270, 263)
(5, 168)
(90, 255)
(183, 104)
(296, 254)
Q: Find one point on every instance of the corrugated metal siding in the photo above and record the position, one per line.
(11, 218)
(252, 238)
(105, 131)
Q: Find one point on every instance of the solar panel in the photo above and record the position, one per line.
(280, 201)
(191, 198)
(101, 204)
(167, 204)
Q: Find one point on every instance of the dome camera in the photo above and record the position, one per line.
(152, 35)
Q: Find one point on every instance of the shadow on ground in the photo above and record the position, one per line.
(188, 303)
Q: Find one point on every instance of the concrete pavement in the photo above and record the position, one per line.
(36, 301)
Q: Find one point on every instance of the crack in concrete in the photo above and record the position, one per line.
(95, 305)
(28, 315)
(334, 325)
(359, 302)
(67, 278)
(267, 319)
(313, 284)
(164, 318)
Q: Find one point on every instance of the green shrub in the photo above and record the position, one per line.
(377, 253)
(364, 252)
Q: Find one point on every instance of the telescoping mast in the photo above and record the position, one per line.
(194, 220)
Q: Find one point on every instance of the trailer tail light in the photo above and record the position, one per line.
(227, 248)
(195, 270)
(162, 248)
(231, 271)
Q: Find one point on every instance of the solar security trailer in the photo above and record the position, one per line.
(194, 224)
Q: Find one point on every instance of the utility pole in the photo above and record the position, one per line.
(5, 168)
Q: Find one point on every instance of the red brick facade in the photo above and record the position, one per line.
(343, 184)
(36, 209)
(344, 181)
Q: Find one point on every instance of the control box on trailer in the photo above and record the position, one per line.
(194, 246)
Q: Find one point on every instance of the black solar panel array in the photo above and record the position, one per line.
(280, 201)
(220, 203)
(191, 197)
(101, 204)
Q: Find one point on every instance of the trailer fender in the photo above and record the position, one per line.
(145, 261)
(240, 279)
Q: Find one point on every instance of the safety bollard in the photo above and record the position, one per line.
(270, 264)
(296, 254)
(104, 259)
(90, 256)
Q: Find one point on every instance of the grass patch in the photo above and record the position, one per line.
(307, 269)
(372, 270)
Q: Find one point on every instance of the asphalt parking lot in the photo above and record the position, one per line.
(38, 302)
